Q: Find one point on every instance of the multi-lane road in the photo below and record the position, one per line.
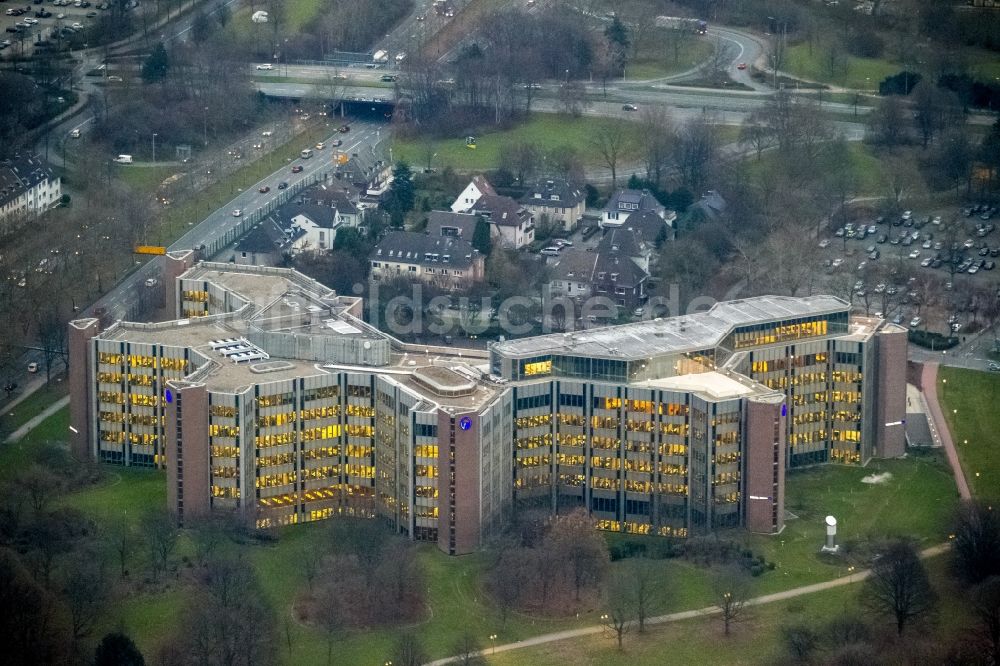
(128, 294)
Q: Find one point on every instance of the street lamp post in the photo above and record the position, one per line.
(204, 127)
(493, 641)
(154, 147)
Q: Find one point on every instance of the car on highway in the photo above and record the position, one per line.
(266, 67)
(336, 142)
(741, 66)
(388, 78)
(629, 107)
(344, 129)
(282, 185)
(994, 366)
(320, 146)
(297, 168)
(267, 133)
(238, 213)
(264, 189)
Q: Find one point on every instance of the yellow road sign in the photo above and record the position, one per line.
(150, 249)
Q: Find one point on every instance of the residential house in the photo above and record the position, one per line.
(339, 199)
(476, 188)
(707, 209)
(266, 244)
(27, 186)
(626, 242)
(510, 222)
(454, 225)
(367, 176)
(624, 203)
(447, 262)
(557, 199)
(606, 271)
(648, 228)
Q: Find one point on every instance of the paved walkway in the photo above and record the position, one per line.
(928, 380)
(686, 615)
(38, 418)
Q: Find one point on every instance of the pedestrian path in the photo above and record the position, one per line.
(690, 614)
(928, 381)
(37, 419)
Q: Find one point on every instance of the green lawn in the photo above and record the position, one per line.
(144, 179)
(657, 62)
(755, 639)
(860, 73)
(868, 170)
(915, 502)
(18, 455)
(976, 425)
(11, 419)
(300, 12)
(545, 131)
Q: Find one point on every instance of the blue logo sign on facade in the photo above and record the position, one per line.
(784, 409)
(465, 423)
(168, 395)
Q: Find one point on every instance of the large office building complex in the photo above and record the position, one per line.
(271, 399)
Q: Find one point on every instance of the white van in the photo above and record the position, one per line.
(306, 154)
(124, 159)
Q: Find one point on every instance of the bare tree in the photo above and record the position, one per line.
(986, 608)
(696, 152)
(641, 583)
(898, 585)
(85, 590)
(572, 98)
(731, 590)
(976, 552)
(612, 140)
(408, 651)
(657, 141)
(620, 608)
(467, 650)
(161, 537)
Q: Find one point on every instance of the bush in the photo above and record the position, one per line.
(931, 340)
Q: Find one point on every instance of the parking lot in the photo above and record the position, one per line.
(24, 23)
(920, 270)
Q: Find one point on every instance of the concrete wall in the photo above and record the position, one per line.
(186, 449)
(890, 404)
(764, 465)
(459, 521)
(81, 388)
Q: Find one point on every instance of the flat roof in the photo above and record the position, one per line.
(714, 385)
(261, 286)
(700, 330)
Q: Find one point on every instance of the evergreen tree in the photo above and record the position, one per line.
(618, 42)
(481, 237)
(401, 192)
(117, 649)
(156, 66)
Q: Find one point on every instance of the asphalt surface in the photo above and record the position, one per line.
(128, 294)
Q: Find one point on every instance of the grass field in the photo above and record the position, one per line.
(144, 179)
(859, 73)
(19, 455)
(868, 170)
(975, 426)
(544, 131)
(916, 502)
(654, 63)
(755, 639)
(11, 419)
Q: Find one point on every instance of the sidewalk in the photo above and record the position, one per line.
(929, 382)
(38, 418)
(686, 615)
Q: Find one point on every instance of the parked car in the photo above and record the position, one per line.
(551, 251)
